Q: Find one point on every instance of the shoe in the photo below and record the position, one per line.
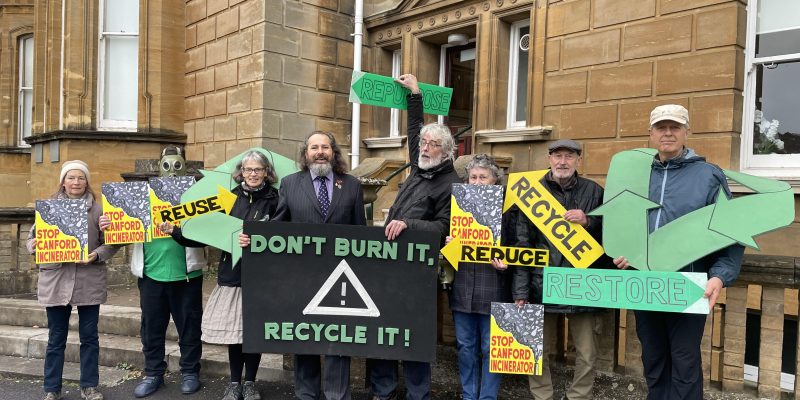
(91, 393)
(233, 391)
(148, 386)
(52, 396)
(250, 392)
(190, 382)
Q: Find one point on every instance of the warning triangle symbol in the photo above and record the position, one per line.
(343, 268)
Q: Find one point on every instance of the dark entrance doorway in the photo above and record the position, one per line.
(459, 73)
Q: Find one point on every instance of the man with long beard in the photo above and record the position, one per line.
(321, 193)
(422, 203)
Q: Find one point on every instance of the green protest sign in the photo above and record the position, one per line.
(630, 289)
(383, 91)
(694, 235)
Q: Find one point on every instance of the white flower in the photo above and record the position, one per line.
(778, 143)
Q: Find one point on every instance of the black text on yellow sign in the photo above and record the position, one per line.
(572, 240)
(222, 202)
(456, 252)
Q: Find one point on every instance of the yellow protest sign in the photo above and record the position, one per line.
(126, 206)
(516, 339)
(61, 231)
(456, 251)
(535, 201)
(221, 202)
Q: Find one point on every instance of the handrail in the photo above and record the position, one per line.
(408, 164)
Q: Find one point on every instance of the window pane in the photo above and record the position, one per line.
(121, 16)
(121, 73)
(522, 77)
(777, 122)
(26, 116)
(778, 28)
(26, 52)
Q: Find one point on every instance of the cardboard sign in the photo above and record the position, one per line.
(222, 202)
(630, 289)
(165, 192)
(127, 206)
(536, 202)
(455, 252)
(516, 339)
(339, 289)
(62, 231)
(384, 91)
(626, 205)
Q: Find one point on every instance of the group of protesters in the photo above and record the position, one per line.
(169, 271)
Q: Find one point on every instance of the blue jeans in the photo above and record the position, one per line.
(58, 324)
(472, 342)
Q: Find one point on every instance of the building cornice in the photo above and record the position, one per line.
(116, 136)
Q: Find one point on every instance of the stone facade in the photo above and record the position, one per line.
(265, 73)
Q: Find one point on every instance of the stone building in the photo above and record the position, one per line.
(113, 81)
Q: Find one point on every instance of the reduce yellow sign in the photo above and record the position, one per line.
(456, 252)
(572, 240)
(222, 202)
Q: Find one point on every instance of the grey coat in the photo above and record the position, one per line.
(76, 284)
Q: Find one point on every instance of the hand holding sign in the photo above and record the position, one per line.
(383, 91)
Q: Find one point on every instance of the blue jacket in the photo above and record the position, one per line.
(682, 185)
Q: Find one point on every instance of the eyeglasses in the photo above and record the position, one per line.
(425, 143)
(248, 171)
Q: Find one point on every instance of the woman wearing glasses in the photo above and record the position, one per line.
(256, 200)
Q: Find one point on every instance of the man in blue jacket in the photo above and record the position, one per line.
(680, 182)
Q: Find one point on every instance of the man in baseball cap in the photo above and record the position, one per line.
(680, 182)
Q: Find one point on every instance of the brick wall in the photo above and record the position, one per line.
(609, 62)
(265, 73)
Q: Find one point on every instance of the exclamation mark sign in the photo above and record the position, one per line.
(407, 337)
(344, 291)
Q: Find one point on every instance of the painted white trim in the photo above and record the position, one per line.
(22, 88)
(394, 113)
(781, 166)
(512, 120)
(103, 123)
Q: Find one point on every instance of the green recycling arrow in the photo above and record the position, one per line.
(634, 290)
(694, 235)
(222, 230)
(383, 91)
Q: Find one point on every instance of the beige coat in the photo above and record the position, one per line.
(76, 284)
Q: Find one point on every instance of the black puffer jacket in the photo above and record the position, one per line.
(259, 205)
(424, 199)
(581, 194)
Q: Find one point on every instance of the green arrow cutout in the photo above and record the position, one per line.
(693, 235)
(222, 230)
(383, 91)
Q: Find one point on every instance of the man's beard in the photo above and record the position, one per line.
(428, 163)
(320, 169)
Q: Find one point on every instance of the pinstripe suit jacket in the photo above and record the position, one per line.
(298, 201)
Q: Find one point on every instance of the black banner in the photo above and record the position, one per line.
(339, 289)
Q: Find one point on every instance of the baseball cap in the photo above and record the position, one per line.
(672, 112)
(564, 144)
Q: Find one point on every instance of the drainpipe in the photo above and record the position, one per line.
(355, 134)
(61, 70)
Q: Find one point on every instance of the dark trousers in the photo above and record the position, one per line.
(383, 377)
(58, 325)
(184, 301)
(308, 378)
(671, 354)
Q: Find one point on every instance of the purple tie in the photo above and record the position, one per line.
(322, 195)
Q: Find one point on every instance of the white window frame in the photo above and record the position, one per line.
(21, 104)
(103, 123)
(780, 166)
(394, 114)
(512, 119)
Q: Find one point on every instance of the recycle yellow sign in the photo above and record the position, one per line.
(221, 202)
(573, 241)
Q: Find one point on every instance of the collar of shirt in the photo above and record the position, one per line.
(328, 183)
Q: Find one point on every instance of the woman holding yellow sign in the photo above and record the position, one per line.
(475, 287)
(79, 284)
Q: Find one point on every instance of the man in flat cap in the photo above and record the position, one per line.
(579, 196)
(680, 182)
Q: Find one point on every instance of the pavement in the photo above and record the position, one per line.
(20, 377)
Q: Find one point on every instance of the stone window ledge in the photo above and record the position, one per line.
(530, 134)
(122, 136)
(15, 150)
(384, 142)
(738, 188)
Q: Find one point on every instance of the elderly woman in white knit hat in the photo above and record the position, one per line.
(63, 286)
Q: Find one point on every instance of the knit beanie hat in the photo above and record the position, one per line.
(74, 164)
